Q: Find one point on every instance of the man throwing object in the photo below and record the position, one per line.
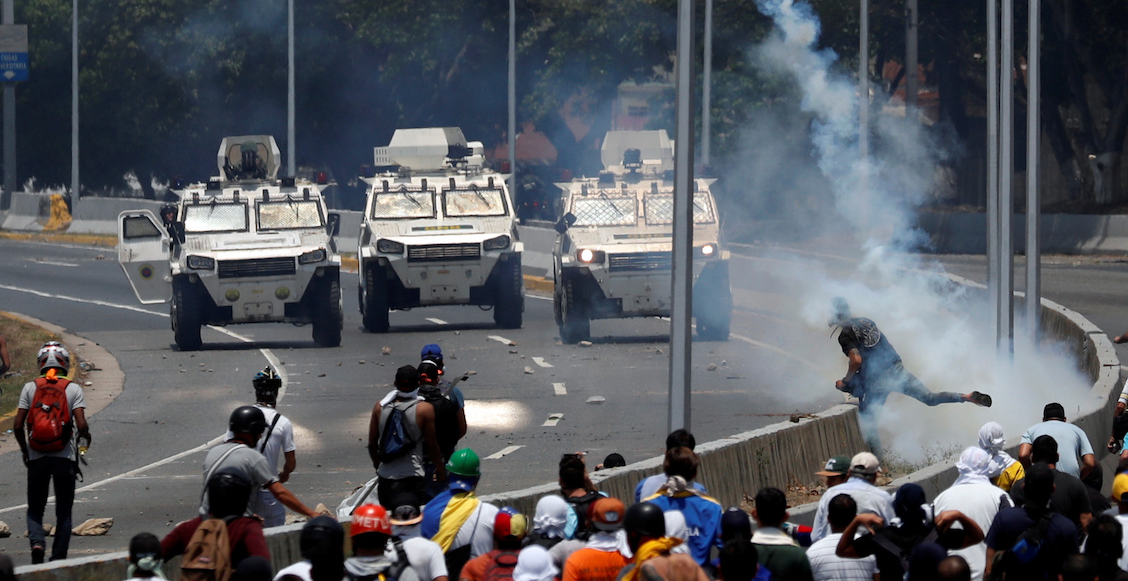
(876, 371)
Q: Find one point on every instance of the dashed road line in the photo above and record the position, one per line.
(553, 419)
(501, 339)
(528, 296)
(559, 389)
(53, 263)
(540, 361)
(437, 321)
(504, 452)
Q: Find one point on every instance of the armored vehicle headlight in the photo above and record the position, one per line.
(589, 256)
(498, 243)
(708, 250)
(312, 256)
(201, 262)
(389, 246)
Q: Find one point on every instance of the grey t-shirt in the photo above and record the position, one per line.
(248, 460)
(75, 400)
(1071, 440)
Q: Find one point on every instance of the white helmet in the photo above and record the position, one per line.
(53, 354)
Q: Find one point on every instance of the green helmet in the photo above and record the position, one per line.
(464, 462)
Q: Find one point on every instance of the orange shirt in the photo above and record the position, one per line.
(475, 568)
(589, 564)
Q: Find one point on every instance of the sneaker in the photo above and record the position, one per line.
(979, 399)
(37, 554)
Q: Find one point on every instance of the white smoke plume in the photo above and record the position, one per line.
(943, 331)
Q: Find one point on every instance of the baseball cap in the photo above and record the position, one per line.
(431, 351)
(406, 515)
(1053, 411)
(1119, 487)
(836, 466)
(607, 514)
(864, 463)
(510, 523)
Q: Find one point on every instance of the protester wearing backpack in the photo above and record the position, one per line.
(247, 423)
(1030, 542)
(510, 528)
(579, 492)
(277, 445)
(400, 432)
(50, 410)
(231, 491)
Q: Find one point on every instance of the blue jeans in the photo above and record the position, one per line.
(877, 390)
(40, 473)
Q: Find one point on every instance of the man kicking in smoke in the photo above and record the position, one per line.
(876, 371)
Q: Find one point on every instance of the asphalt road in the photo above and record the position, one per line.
(145, 462)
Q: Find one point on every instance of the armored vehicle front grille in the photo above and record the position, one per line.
(444, 252)
(641, 261)
(257, 267)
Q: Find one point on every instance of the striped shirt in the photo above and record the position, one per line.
(826, 566)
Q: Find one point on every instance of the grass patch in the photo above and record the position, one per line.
(24, 341)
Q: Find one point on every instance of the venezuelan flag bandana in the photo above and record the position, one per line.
(445, 515)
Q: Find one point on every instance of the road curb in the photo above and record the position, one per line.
(538, 283)
(88, 239)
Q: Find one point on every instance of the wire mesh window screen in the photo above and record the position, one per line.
(474, 202)
(404, 204)
(605, 211)
(215, 217)
(290, 214)
(660, 209)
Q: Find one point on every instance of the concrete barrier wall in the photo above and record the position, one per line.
(966, 233)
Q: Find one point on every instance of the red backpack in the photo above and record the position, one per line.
(501, 568)
(49, 418)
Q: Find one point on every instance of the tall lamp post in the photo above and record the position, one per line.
(291, 146)
(75, 194)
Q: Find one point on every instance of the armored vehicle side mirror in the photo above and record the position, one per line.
(333, 226)
(178, 232)
(565, 222)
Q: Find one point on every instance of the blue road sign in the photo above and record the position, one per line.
(13, 66)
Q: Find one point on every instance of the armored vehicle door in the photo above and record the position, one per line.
(143, 250)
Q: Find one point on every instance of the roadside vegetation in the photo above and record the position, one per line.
(24, 340)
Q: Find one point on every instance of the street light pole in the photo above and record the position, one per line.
(75, 194)
(1033, 201)
(291, 145)
(681, 311)
(707, 86)
(512, 89)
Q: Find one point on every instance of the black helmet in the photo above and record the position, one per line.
(247, 419)
(267, 383)
(229, 491)
(645, 518)
(320, 537)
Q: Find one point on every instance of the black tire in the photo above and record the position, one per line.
(575, 325)
(186, 318)
(510, 296)
(374, 305)
(327, 315)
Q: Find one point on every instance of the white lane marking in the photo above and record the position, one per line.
(553, 419)
(270, 358)
(503, 452)
(500, 339)
(540, 361)
(437, 321)
(559, 389)
(78, 300)
(53, 262)
(528, 296)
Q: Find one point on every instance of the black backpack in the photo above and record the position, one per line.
(446, 417)
(581, 505)
(395, 438)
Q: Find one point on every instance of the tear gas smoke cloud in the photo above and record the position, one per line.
(942, 330)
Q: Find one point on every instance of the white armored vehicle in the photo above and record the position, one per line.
(439, 229)
(613, 255)
(245, 247)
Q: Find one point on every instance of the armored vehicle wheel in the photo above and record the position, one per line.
(327, 316)
(510, 294)
(374, 304)
(186, 317)
(575, 325)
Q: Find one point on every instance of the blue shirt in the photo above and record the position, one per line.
(702, 520)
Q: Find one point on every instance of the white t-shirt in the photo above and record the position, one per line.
(827, 566)
(281, 439)
(477, 531)
(424, 556)
(75, 400)
(980, 502)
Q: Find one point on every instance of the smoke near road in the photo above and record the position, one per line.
(866, 210)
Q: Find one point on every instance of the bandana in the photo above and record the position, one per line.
(148, 563)
(392, 395)
(649, 550)
(992, 440)
(551, 517)
(973, 466)
(676, 486)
